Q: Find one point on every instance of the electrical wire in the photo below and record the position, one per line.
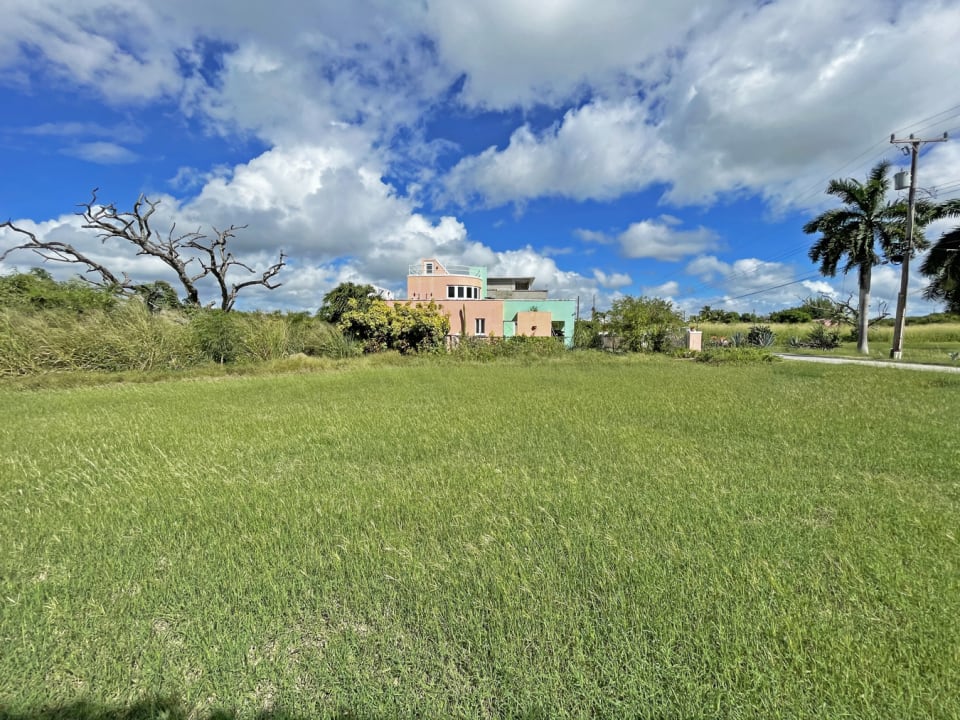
(949, 188)
(776, 287)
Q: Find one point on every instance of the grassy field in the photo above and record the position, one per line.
(928, 344)
(585, 537)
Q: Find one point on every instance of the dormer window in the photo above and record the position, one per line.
(428, 268)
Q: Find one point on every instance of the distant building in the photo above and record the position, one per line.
(483, 306)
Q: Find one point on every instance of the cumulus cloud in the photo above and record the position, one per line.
(611, 280)
(663, 240)
(524, 52)
(667, 290)
(599, 151)
(747, 108)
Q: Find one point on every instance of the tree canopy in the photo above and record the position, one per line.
(857, 235)
(643, 323)
(942, 265)
(337, 302)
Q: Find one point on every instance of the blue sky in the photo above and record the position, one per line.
(606, 147)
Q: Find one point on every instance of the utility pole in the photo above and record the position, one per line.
(896, 352)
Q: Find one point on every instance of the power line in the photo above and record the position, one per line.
(935, 115)
(776, 287)
(949, 188)
(914, 127)
(815, 188)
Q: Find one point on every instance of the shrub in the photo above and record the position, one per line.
(760, 336)
(823, 338)
(402, 326)
(127, 337)
(791, 315)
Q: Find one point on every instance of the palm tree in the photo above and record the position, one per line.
(860, 233)
(943, 265)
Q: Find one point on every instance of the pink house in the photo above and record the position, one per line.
(486, 307)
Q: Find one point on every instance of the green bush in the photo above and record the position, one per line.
(760, 336)
(791, 315)
(586, 335)
(129, 336)
(37, 290)
(404, 327)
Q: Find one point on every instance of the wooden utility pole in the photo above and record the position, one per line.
(896, 352)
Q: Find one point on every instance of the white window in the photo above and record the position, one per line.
(428, 268)
(481, 326)
(466, 292)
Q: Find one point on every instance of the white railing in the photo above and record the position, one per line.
(418, 269)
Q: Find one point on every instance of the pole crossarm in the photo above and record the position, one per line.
(896, 352)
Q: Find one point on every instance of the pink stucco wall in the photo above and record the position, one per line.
(534, 324)
(464, 313)
(434, 287)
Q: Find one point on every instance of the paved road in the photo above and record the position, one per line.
(874, 363)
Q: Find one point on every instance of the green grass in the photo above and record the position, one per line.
(586, 537)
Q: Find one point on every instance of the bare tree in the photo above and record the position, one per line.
(846, 309)
(219, 260)
(214, 259)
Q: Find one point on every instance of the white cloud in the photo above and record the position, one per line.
(768, 101)
(599, 151)
(661, 239)
(611, 280)
(819, 287)
(592, 236)
(667, 290)
(527, 52)
(103, 153)
(696, 99)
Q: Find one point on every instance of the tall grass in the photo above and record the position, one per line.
(590, 536)
(130, 337)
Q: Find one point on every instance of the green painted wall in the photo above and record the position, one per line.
(564, 311)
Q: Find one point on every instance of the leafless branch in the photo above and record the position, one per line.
(56, 251)
(852, 310)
